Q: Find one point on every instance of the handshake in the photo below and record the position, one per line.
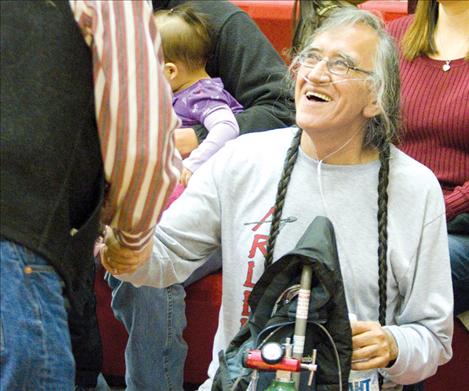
(118, 259)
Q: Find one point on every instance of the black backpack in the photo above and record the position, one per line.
(273, 308)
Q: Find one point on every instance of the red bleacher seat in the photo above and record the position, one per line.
(203, 300)
(274, 17)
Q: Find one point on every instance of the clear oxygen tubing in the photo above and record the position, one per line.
(321, 192)
(305, 78)
(305, 284)
(324, 203)
(338, 149)
(320, 162)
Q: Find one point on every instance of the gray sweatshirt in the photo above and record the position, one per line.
(229, 203)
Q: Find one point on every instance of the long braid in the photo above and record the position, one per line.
(383, 181)
(290, 160)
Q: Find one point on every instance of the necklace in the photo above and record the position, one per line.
(446, 66)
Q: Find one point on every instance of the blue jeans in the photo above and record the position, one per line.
(35, 343)
(155, 320)
(459, 257)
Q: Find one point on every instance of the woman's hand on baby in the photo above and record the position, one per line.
(118, 259)
(373, 346)
(186, 141)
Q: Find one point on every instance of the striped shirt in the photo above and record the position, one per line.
(134, 114)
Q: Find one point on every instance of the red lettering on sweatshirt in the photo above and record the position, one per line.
(262, 221)
(248, 283)
(259, 243)
(245, 312)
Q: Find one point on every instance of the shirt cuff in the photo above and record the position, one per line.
(133, 241)
(456, 203)
(401, 364)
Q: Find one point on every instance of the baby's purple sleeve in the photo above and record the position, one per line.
(222, 127)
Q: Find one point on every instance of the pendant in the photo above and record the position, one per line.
(446, 66)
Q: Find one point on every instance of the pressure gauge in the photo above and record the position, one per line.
(272, 352)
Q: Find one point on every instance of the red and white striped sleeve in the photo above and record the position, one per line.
(134, 114)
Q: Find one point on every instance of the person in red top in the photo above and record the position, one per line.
(434, 67)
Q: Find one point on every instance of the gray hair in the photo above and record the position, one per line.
(383, 128)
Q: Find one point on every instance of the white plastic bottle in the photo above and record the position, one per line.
(362, 380)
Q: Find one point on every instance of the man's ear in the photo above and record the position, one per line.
(171, 70)
(372, 109)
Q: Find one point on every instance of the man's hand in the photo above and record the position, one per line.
(117, 259)
(373, 346)
(186, 141)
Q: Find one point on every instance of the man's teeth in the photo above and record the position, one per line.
(317, 96)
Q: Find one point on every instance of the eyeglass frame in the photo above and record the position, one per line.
(301, 58)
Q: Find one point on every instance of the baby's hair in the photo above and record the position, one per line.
(186, 36)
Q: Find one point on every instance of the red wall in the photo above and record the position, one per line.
(274, 17)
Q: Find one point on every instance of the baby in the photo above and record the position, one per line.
(198, 98)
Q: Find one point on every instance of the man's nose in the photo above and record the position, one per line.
(319, 73)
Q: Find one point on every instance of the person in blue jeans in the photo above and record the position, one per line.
(57, 152)
(155, 352)
(27, 275)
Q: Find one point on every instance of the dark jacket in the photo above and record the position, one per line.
(51, 166)
(327, 310)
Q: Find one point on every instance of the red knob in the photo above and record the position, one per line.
(253, 359)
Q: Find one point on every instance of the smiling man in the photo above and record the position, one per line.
(387, 210)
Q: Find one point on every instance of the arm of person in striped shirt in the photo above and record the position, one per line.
(134, 114)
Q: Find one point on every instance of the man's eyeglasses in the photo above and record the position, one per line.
(336, 65)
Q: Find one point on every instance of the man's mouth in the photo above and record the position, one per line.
(317, 97)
